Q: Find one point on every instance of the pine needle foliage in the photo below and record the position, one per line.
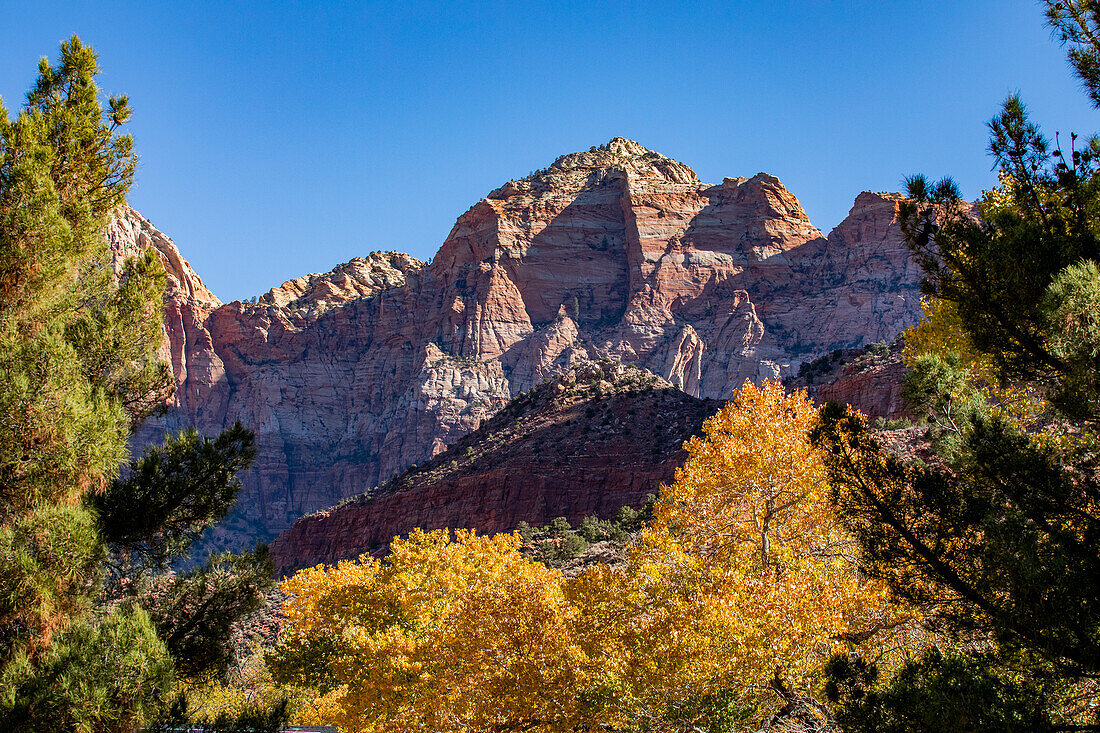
(78, 371)
(77, 349)
(996, 535)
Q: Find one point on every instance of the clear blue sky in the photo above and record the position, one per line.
(282, 138)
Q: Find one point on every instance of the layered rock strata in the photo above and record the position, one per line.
(595, 439)
(618, 252)
(869, 379)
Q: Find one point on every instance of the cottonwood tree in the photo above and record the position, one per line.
(738, 590)
(443, 635)
(741, 587)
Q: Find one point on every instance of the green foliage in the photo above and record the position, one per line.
(935, 693)
(593, 529)
(77, 354)
(113, 331)
(941, 389)
(570, 546)
(1020, 269)
(631, 520)
(100, 674)
(52, 559)
(877, 349)
(1072, 306)
(171, 495)
(58, 433)
(559, 525)
(1003, 544)
(194, 611)
(882, 423)
(557, 543)
(78, 370)
(1076, 24)
(63, 169)
(997, 534)
(526, 531)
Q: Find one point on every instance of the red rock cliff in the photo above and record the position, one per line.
(597, 438)
(619, 252)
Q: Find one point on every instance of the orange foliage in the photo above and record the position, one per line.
(743, 576)
(444, 636)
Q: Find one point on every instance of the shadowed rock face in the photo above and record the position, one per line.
(592, 440)
(619, 252)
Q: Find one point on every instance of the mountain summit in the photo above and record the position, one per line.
(616, 252)
(619, 154)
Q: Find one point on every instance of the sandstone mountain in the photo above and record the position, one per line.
(601, 436)
(351, 376)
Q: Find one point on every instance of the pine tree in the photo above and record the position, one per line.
(998, 534)
(78, 370)
(76, 350)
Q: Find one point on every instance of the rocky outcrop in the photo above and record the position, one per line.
(869, 379)
(306, 298)
(617, 252)
(874, 389)
(187, 345)
(597, 438)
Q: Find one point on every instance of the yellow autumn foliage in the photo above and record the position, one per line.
(743, 576)
(743, 579)
(444, 635)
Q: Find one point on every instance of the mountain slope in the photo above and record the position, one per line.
(601, 436)
(617, 252)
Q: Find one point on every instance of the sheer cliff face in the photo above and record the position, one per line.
(601, 436)
(350, 376)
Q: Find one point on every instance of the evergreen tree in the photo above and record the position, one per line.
(78, 371)
(169, 497)
(64, 391)
(998, 534)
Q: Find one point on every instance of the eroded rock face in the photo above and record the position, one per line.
(870, 379)
(187, 345)
(618, 252)
(594, 439)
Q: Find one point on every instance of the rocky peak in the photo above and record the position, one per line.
(129, 234)
(617, 253)
(619, 154)
(362, 277)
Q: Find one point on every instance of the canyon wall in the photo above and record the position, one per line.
(598, 437)
(348, 377)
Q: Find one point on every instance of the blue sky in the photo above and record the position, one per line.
(283, 138)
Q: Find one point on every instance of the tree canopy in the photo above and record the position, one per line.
(738, 590)
(996, 533)
(78, 371)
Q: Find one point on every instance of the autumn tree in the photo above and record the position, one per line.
(443, 635)
(740, 588)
